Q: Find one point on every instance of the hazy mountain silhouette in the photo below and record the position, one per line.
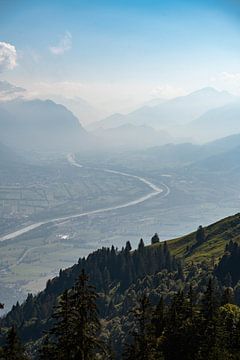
(177, 111)
(40, 125)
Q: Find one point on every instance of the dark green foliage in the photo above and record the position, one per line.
(183, 313)
(47, 350)
(158, 319)
(75, 334)
(200, 235)
(107, 269)
(128, 247)
(62, 329)
(186, 329)
(228, 269)
(13, 349)
(141, 246)
(85, 323)
(155, 239)
(141, 347)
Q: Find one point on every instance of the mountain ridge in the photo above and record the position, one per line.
(179, 110)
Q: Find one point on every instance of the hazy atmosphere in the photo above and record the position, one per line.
(119, 158)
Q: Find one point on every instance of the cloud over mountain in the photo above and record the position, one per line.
(8, 56)
(9, 91)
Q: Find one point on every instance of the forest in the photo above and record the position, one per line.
(148, 303)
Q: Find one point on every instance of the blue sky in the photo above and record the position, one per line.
(119, 50)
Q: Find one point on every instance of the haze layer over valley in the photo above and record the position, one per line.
(66, 190)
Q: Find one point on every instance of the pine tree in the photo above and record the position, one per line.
(158, 319)
(228, 296)
(200, 235)
(48, 350)
(142, 347)
(13, 350)
(141, 246)
(209, 320)
(128, 246)
(174, 331)
(209, 302)
(62, 329)
(76, 330)
(155, 239)
(85, 321)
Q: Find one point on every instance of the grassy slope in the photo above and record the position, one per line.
(218, 235)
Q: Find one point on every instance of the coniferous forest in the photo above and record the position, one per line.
(148, 303)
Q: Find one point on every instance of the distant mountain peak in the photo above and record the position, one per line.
(208, 90)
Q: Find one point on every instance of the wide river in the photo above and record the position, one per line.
(155, 191)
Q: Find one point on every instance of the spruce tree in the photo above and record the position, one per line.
(200, 235)
(128, 246)
(141, 246)
(13, 349)
(141, 347)
(48, 350)
(75, 334)
(85, 321)
(155, 239)
(62, 329)
(209, 320)
(158, 319)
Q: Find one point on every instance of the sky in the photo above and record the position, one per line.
(117, 54)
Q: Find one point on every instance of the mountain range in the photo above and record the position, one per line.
(45, 125)
(178, 111)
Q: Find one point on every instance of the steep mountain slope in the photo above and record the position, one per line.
(85, 112)
(40, 125)
(159, 269)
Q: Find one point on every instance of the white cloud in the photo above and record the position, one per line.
(227, 76)
(69, 89)
(8, 56)
(10, 92)
(229, 81)
(65, 44)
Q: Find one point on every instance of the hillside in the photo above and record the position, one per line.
(160, 269)
(217, 235)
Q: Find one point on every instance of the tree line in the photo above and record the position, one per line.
(188, 328)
